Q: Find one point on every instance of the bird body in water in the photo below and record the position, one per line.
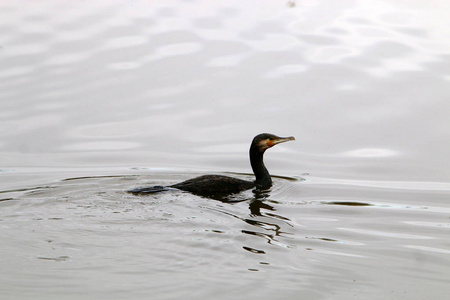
(210, 185)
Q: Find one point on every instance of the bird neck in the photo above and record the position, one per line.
(263, 179)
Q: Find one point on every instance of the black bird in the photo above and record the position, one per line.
(219, 185)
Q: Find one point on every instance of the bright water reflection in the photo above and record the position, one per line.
(154, 93)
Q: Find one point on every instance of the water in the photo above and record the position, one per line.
(98, 98)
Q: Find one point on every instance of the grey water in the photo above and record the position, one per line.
(97, 98)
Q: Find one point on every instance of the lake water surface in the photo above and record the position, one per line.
(100, 97)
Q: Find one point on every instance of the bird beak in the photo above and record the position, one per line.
(280, 140)
(284, 139)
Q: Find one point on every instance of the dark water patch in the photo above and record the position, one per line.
(252, 250)
(37, 188)
(58, 259)
(215, 231)
(348, 203)
(322, 239)
(268, 237)
(7, 199)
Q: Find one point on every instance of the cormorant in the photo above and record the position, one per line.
(219, 185)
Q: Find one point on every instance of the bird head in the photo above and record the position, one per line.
(265, 141)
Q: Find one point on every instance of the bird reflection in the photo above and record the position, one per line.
(262, 217)
(258, 203)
